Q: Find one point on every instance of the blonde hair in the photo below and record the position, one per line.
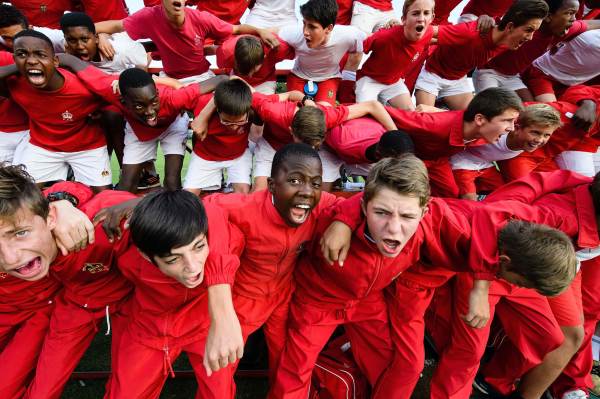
(405, 175)
(408, 3)
(539, 115)
(543, 255)
(17, 190)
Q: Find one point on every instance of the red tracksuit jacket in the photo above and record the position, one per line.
(366, 271)
(270, 246)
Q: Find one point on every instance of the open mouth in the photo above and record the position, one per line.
(390, 247)
(177, 5)
(299, 213)
(420, 28)
(152, 120)
(36, 77)
(194, 280)
(30, 269)
(84, 56)
(533, 146)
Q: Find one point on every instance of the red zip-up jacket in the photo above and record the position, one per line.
(166, 314)
(366, 272)
(270, 246)
(90, 277)
(576, 94)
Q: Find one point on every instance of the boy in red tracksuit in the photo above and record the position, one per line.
(171, 269)
(439, 135)
(575, 207)
(276, 225)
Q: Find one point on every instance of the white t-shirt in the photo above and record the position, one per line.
(322, 63)
(56, 36)
(481, 157)
(576, 62)
(273, 13)
(128, 54)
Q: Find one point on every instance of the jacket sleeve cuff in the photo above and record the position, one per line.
(349, 212)
(484, 276)
(80, 191)
(221, 269)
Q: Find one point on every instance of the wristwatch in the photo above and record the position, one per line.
(63, 195)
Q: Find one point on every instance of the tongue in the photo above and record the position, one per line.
(31, 266)
(36, 79)
(298, 213)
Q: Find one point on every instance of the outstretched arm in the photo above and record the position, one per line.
(373, 108)
(266, 36)
(73, 63)
(5, 72)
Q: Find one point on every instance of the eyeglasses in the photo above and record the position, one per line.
(236, 123)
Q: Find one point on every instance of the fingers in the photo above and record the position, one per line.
(100, 217)
(90, 231)
(63, 250)
(343, 254)
(207, 365)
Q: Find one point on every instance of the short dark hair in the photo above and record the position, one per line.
(492, 102)
(18, 189)
(322, 11)
(395, 142)
(308, 125)
(36, 34)
(543, 255)
(248, 53)
(522, 11)
(292, 150)
(134, 78)
(555, 5)
(164, 220)
(11, 15)
(76, 19)
(233, 97)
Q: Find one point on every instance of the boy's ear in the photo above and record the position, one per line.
(56, 62)
(479, 119)
(363, 206)
(270, 184)
(51, 218)
(329, 28)
(504, 260)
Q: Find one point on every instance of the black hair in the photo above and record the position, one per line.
(233, 97)
(492, 102)
(11, 15)
(522, 11)
(76, 19)
(293, 150)
(323, 11)
(36, 34)
(394, 143)
(164, 220)
(555, 5)
(134, 78)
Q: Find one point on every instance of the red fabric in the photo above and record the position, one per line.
(43, 12)
(89, 277)
(566, 307)
(61, 120)
(390, 47)
(577, 93)
(80, 191)
(228, 10)
(493, 9)
(172, 101)
(271, 247)
(226, 59)
(164, 313)
(412, 74)
(443, 9)
(407, 304)
(278, 117)
(72, 329)
(346, 93)
(327, 89)
(366, 325)
(441, 178)
(435, 135)
(539, 83)
(351, 139)
(513, 62)
(344, 16)
(525, 163)
(527, 321)
(460, 49)
(381, 5)
(477, 181)
(141, 370)
(14, 119)
(221, 142)
(22, 334)
(181, 49)
(103, 10)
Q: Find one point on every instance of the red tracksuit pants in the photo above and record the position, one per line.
(527, 320)
(141, 371)
(310, 327)
(271, 313)
(72, 329)
(576, 374)
(21, 339)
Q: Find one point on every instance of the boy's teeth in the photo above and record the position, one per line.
(303, 206)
